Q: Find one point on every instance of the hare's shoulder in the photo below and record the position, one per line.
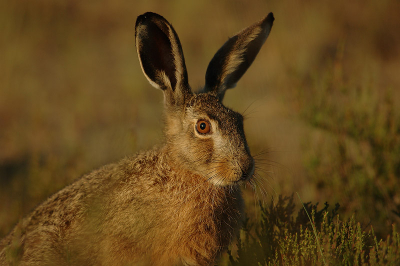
(131, 169)
(150, 162)
(104, 180)
(72, 201)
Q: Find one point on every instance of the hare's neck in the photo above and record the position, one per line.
(210, 215)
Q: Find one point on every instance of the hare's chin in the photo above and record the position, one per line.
(223, 182)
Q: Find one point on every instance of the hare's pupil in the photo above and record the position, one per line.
(203, 126)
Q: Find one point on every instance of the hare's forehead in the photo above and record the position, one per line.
(212, 108)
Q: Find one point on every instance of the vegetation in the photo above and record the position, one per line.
(283, 239)
(321, 101)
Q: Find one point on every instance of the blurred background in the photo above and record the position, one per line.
(321, 100)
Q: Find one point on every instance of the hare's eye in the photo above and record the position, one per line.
(203, 126)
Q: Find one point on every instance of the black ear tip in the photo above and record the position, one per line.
(270, 18)
(140, 19)
(148, 16)
(146, 19)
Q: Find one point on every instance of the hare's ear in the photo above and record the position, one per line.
(161, 57)
(233, 59)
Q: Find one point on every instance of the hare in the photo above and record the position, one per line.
(177, 204)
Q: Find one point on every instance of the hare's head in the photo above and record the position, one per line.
(203, 135)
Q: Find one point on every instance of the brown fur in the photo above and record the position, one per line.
(178, 204)
(138, 206)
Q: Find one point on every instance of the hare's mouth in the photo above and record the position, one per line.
(226, 175)
(246, 176)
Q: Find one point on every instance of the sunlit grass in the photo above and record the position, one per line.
(287, 237)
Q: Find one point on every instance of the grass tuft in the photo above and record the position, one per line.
(285, 237)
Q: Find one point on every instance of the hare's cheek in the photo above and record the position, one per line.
(197, 150)
(204, 151)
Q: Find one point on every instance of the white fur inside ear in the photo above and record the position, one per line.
(164, 79)
(236, 56)
(152, 83)
(177, 57)
(139, 45)
(160, 74)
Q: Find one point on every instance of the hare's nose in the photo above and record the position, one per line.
(247, 168)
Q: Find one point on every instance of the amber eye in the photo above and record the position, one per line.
(203, 126)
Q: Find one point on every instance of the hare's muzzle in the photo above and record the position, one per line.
(247, 166)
